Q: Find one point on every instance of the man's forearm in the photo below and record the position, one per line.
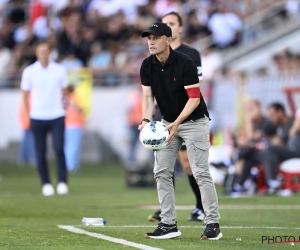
(189, 107)
(25, 101)
(148, 108)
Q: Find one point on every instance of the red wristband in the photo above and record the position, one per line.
(193, 92)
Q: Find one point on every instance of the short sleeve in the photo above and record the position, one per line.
(64, 78)
(143, 75)
(190, 73)
(298, 114)
(25, 80)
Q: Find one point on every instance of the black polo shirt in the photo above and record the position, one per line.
(194, 55)
(167, 83)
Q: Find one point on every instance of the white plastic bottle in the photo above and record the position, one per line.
(93, 222)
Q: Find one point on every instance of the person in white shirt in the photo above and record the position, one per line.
(46, 81)
(224, 26)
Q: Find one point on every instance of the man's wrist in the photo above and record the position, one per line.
(145, 120)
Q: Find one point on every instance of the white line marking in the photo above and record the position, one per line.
(249, 207)
(108, 238)
(228, 227)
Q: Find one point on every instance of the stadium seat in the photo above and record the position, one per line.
(290, 171)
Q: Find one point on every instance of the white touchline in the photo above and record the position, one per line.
(228, 227)
(108, 238)
(231, 207)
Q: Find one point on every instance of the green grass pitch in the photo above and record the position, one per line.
(30, 221)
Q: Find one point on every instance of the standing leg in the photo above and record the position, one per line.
(39, 130)
(163, 173)
(196, 136)
(197, 213)
(31, 149)
(23, 157)
(58, 130)
(72, 147)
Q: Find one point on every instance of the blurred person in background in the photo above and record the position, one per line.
(70, 61)
(70, 37)
(195, 30)
(5, 61)
(278, 136)
(174, 21)
(46, 82)
(278, 153)
(27, 156)
(75, 120)
(225, 26)
(134, 117)
(258, 132)
(100, 61)
(279, 117)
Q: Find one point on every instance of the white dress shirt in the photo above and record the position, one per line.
(46, 88)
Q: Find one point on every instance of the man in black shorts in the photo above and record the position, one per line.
(171, 78)
(174, 21)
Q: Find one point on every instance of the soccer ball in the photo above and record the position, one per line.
(154, 135)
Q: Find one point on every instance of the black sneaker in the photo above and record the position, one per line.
(164, 231)
(197, 215)
(212, 232)
(155, 217)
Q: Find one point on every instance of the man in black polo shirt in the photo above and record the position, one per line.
(171, 78)
(174, 21)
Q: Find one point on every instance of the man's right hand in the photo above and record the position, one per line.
(140, 128)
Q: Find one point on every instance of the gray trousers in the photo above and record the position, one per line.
(196, 136)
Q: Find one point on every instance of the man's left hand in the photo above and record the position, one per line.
(173, 129)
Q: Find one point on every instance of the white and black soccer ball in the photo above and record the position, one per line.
(154, 135)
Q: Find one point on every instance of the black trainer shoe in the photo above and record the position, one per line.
(212, 232)
(164, 231)
(155, 217)
(197, 215)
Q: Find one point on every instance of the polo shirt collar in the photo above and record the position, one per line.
(39, 65)
(170, 59)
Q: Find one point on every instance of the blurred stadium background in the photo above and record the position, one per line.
(256, 56)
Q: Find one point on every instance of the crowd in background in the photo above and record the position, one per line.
(105, 34)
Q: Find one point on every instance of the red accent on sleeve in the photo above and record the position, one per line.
(193, 92)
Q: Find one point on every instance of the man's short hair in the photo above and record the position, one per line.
(175, 14)
(42, 42)
(277, 106)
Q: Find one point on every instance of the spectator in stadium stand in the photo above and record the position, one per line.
(225, 27)
(174, 21)
(46, 82)
(5, 61)
(188, 121)
(70, 61)
(195, 29)
(100, 59)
